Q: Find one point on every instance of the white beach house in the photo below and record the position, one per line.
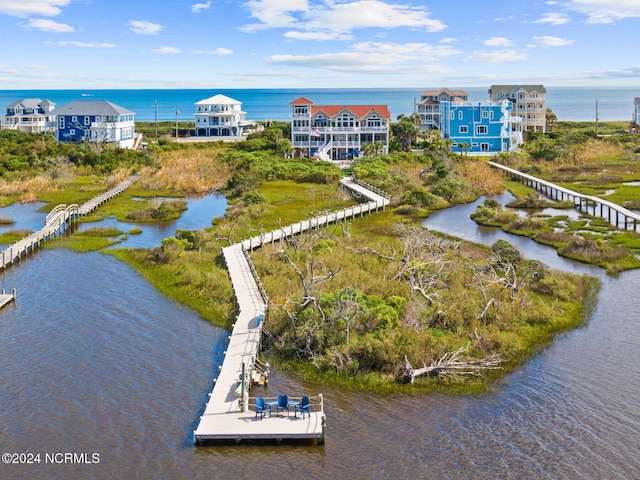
(31, 115)
(220, 116)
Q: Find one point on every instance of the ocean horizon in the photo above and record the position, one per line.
(568, 103)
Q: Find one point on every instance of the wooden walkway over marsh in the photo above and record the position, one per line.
(56, 223)
(228, 415)
(615, 214)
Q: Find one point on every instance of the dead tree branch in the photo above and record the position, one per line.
(454, 365)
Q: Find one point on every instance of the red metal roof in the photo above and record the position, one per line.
(301, 101)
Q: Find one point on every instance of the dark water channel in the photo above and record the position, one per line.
(94, 360)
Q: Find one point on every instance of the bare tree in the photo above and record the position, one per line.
(453, 365)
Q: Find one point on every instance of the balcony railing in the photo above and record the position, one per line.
(327, 130)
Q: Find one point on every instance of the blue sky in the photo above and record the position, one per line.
(77, 44)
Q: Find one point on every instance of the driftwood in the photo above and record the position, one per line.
(453, 365)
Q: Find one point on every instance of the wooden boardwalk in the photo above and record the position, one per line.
(615, 214)
(228, 414)
(56, 223)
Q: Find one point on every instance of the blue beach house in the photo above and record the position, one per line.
(96, 121)
(483, 127)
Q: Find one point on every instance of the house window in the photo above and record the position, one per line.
(464, 129)
(452, 115)
(72, 132)
(301, 138)
(300, 109)
(87, 121)
(74, 119)
(485, 114)
(481, 130)
(374, 122)
(484, 147)
(460, 114)
(61, 123)
(491, 115)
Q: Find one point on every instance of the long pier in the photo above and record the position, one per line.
(56, 223)
(615, 214)
(227, 415)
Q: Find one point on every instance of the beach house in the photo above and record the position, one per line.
(96, 121)
(528, 103)
(337, 132)
(31, 115)
(220, 116)
(429, 105)
(479, 127)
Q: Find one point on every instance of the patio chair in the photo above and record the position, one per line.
(283, 404)
(304, 406)
(262, 407)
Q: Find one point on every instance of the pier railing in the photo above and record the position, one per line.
(582, 201)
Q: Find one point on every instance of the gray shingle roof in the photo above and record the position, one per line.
(91, 107)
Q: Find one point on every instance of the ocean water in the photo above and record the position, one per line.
(568, 103)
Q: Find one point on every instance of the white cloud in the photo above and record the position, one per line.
(498, 42)
(10, 71)
(34, 66)
(165, 50)
(373, 57)
(317, 36)
(27, 8)
(144, 28)
(371, 13)
(217, 51)
(274, 13)
(423, 51)
(49, 26)
(509, 55)
(606, 11)
(339, 17)
(549, 41)
(554, 18)
(198, 7)
(81, 44)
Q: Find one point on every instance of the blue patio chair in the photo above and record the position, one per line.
(283, 404)
(262, 407)
(304, 406)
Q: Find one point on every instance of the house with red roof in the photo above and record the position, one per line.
(337, 132)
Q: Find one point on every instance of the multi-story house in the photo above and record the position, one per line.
(220, 116)
(483, 127)
(30, 115)
(429, 105)
(95, 121)
(337, 132)
(528, 103)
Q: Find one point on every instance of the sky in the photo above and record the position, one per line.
(143, 44)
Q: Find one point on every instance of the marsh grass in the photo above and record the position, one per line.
(188, 169)
(12, 236)
(7, 221)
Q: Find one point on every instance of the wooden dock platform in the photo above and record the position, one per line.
(6, 298)
(229, 415)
